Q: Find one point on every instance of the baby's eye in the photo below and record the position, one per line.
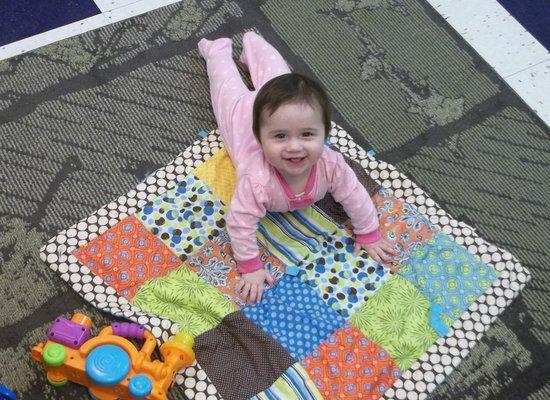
(307, 134)
(280, 136)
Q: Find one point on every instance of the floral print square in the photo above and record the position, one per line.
(214, 263)
(219, 173)
(349, 366)
(448, 275)
(402, 224)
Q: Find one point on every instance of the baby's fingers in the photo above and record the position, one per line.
(387, 252)
(374, 255)
(244, 291)
(240, 285)
(270, 279)
(386, 257)
(253, 294)
(259, 294)
(388, 247)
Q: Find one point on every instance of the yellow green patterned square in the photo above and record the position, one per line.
(218, 171)
(397, 319)
(186, 299)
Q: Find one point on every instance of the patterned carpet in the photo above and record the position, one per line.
(84, 119)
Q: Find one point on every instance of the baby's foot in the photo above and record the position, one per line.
(206, 46)
(247, 37)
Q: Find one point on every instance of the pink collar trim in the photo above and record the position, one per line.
(288, 190)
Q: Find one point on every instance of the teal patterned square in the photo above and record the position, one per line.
(185, 217)
(448, 275)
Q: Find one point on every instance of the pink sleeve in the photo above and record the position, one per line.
(348, 191)
(246, 209)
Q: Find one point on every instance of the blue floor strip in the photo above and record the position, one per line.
(23, 18)
(534, 15)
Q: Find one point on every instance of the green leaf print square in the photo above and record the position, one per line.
(186, 299)
(397, 319)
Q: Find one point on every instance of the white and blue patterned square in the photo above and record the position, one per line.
(185, 217)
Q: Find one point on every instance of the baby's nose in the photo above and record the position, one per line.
(294, 145)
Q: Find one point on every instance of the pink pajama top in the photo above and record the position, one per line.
(261, 188)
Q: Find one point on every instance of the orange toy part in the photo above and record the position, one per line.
(63, 363)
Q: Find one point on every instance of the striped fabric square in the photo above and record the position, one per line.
(294, 384)
(295, 316)
(301, 236)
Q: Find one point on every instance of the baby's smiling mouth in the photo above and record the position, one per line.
(295, 160)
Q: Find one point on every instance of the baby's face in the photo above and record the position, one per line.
(293, 138)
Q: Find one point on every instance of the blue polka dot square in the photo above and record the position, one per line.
(295, 316)
(448, 275)
(185, 217)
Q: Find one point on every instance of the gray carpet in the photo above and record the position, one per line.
(85, 119)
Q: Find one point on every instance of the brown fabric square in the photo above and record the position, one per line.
(370, 184)
(240, 359)
(334, 209)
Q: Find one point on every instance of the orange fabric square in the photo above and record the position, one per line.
(126, 256)
(402, 224)
(349, 366)
(214, 262)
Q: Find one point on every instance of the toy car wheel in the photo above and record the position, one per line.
(6, 394)
(57, 383)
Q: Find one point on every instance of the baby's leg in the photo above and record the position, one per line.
(263, 61)
(226, 91)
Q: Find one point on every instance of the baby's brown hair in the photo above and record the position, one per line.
(289, 88)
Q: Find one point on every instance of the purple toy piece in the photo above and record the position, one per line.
(68, 333)
(129, 330)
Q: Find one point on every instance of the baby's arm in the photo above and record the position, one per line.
(246, 209)
(348, 191)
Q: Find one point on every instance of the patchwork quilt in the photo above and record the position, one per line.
(334, 326)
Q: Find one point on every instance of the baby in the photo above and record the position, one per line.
(275, 137)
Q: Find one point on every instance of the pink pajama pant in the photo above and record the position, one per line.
(232, 101)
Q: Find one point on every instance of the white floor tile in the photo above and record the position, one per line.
(493, 33)
(136, 8)
(533, 86)
(54, 35)
(108, 5)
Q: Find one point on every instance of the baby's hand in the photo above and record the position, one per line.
(251, 285)
(381, 251)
